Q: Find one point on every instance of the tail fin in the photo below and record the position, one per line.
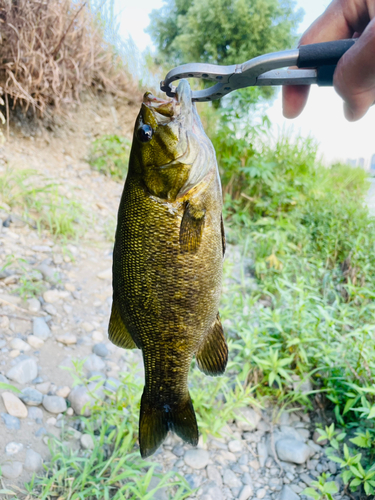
(155, 422)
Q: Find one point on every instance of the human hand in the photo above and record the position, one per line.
(354, 78)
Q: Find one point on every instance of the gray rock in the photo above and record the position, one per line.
(81, 398)
(262, 453)
(112, 384)
(214, 475)
(87, 442)
(35, 413)
(248, 419)
(33, 304)
(100, 350)
(178, 450)
(3, 379)
(197, 458)
(161, 493)
(261, 493)
(24, 371)
(41, 329)
(94, 362)
(42, 431)
(11, 423)
(33, 461)
(49, 273)
(291, 450)
(231, 480)
(11, 470)
(211, 489)
(31, 396)
(288, 494)
(246, 492)
(13, 448)
(54, 404)
(96, 376)
(235, 446)
(193, 480)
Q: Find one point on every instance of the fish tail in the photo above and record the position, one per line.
(155, 422)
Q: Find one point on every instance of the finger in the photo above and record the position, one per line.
(331, 25)
(294, 99)
(354, 78)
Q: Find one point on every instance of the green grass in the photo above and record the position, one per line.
(40, 203)
(109, 155)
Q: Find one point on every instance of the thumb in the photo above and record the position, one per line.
(354, 78)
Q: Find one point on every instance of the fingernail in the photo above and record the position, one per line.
(348, 112)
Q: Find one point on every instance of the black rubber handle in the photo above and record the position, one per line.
(325, 75)
(323, 54)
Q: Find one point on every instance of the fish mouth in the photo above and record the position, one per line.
(166, 110)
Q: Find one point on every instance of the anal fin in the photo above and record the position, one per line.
(212, 356)
(117, 332)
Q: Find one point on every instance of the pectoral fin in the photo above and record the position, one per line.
(191, 229)
(212, 356)
(117, 332)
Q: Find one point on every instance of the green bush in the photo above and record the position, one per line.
(110, 155)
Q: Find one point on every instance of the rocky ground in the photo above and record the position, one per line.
(39, 337)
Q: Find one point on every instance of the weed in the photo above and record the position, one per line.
(40, 202)
(110, 155)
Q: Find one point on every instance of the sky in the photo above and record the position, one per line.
(323, 116)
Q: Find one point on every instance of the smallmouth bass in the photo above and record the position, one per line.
(167, 263)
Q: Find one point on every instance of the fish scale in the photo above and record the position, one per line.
(167, 270)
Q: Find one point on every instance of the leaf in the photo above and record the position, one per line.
(372, 412)
(360, 441)
(346, 476)
(311, 493)
(356, 472)
(355, 482)
(330, 487)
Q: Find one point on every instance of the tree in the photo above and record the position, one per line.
(222, 31)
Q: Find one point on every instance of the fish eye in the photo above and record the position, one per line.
(145, 133)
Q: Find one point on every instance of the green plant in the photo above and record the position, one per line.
(321, 489)
(110, 155)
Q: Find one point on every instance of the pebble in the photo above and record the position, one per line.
(197, 458)
(54, 404)
(67, 338)
(235, 446)
(19, 344)
(292, 450)
(51, 296)
(213, 491)
(288, 494)
(24, 371)
(261, 493)
(35, 413)
(214, 475)
(12, 470)
(88, 327)
(94, 363)
(97, 336)
(11, 423)
(231, 479)
(262, 453)
(248, 419)
(42, 431)
(79, 397)
(100, 350)
(105, 275)
(31, 396)
(246, 492)
(35, 342)
(14, 405)
(12, 448)
(50, 309)
(63, 391)
(41, 329)
(43, 387)
(33, 305)
(51, 421)
(14, 353)
(33, 461)
(316, 437)
(87, 442)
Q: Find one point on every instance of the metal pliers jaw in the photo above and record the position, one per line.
(320, 59)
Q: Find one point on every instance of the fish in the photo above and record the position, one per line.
(167, 263)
